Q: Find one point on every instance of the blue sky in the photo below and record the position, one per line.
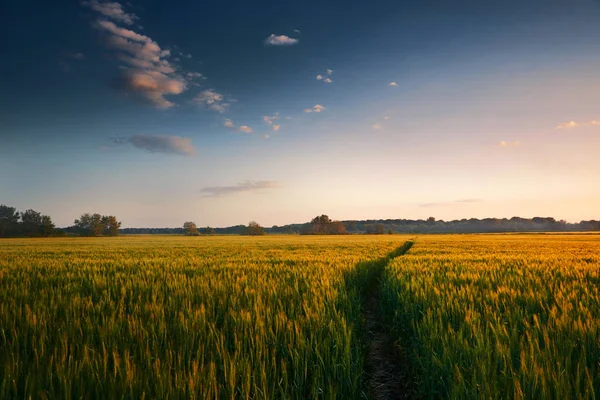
(162, 112)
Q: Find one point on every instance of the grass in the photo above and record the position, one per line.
(177, 317)
(498, 316)
(279, 317)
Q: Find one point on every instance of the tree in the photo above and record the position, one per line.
(320, 224)
(336, 228)
(47, 227)
(254, 229)
(375, 229)
(9, 220)
(190, 229)
(110, 225)
(90, 224)
(209, 231)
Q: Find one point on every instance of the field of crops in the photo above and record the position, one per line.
(282, 317)
(499, 316)
(183, 317)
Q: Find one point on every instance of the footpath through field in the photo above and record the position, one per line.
(387, 370)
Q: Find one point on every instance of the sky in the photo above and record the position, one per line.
(225, 112)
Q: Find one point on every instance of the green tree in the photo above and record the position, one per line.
(190, 228)
(110, 225)
(9, 220)
(254, 229)
(320, 224)
(89, 224)
(209, 231)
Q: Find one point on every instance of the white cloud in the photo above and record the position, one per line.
(573, 124)
(393, 84)
(326, 77)
(160, 144)
(568, 125)
(376, 126)
(211, 100)
(509, 144)
(387, 118)
(248, 186)
(281, 40)
(246, 129)
(229, 124)
(110, 10)
(316, 108)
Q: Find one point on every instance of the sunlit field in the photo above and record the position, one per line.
(499, 316)
(282, 317)
(179, 317)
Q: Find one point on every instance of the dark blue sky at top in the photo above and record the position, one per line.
(363, 41)
(458, 66)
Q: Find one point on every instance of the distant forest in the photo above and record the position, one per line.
(385, 226)
(33, 224)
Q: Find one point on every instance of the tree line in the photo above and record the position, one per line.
(31, 223)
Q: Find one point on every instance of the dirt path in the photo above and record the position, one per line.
(387, 370)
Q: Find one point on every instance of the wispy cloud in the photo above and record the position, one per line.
(387, 118)
(393, 84)
(229, 124)
(147, 70)
(573, 124)
(568, 125)
(504, 143)
(245, 128)
(280, 40)
(316, 108)
(243, 187)
(449, 203)
(326, 77)
(270, 121)
(376, 126)
(160, 144)
(110, 10)
(212, 100)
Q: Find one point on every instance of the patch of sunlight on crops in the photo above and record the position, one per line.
(180, 317)
(499, 316)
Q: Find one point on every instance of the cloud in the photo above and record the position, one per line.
(509, 144)
(568, 125)
(160, 144)
(281, 40)
(326, 77)
(387, 118)
(449, 203)
(297, 31)
(154, 86)
(211, 100)
(113, 11)
(147, 70)
(573, 124)
(393, 84)
(243, 187)
(77, 56)
(246, 129)
(377, 126)
(270, 120)
(266, 136)
(229, 124)
(316, 108)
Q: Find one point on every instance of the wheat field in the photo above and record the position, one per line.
(282, 317)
